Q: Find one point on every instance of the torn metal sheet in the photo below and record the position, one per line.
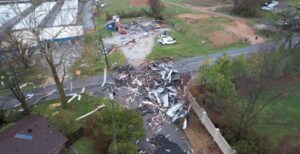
(165, 100)
(179, 114)
(172, 111)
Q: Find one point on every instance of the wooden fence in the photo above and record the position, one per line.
(213, 131)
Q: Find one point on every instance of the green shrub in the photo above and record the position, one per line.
(293, 64)
(123, 148)
(129, 123)
(251, 145)
(12, 116)
(63, 120)
(131, 14)
(247, 8)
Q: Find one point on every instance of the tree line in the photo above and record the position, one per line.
(236, 88)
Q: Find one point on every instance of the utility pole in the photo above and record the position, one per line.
(104, 51)
(114, 123)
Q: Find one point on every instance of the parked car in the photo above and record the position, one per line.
(103, 5)
(166, 40)
(269, 6)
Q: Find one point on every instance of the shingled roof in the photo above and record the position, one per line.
(31, 135)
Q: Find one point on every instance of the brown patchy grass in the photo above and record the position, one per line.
(199, 138)
(222, 38)
(138, 3)
(194, 17)
(207, 3)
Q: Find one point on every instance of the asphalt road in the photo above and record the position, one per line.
(169, 131)
(93, 84)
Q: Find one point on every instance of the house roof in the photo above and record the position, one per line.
(31, 135)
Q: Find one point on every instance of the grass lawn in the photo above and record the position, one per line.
(116, 6)
(203, 3)
(92, 61)
(64, 119)
(192, 39)
(292, 2)
(283, 115)
(83, 146)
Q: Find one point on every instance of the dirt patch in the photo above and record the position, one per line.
(241, 29)
(138, 3)
(199, 138)
(206, 3)
(235, 31)
(195, 17)
(221, 39)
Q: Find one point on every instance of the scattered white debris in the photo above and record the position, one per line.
(96, 109)
(184, 124)
(74, 95)
(104, 80)
(26, 84)
(28, 96)
(167, 150)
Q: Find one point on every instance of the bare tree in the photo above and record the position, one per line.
(10, 78)
(288, 23)
(35, 33)
(16, 43)
(246, 7)
(156, 8)
(47, 51)
(253, 77)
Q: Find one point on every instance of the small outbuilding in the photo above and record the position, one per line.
(32, 135)
(111, 25)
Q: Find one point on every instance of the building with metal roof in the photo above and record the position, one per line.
(35, 18)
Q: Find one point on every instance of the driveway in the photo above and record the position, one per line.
(135, 51)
